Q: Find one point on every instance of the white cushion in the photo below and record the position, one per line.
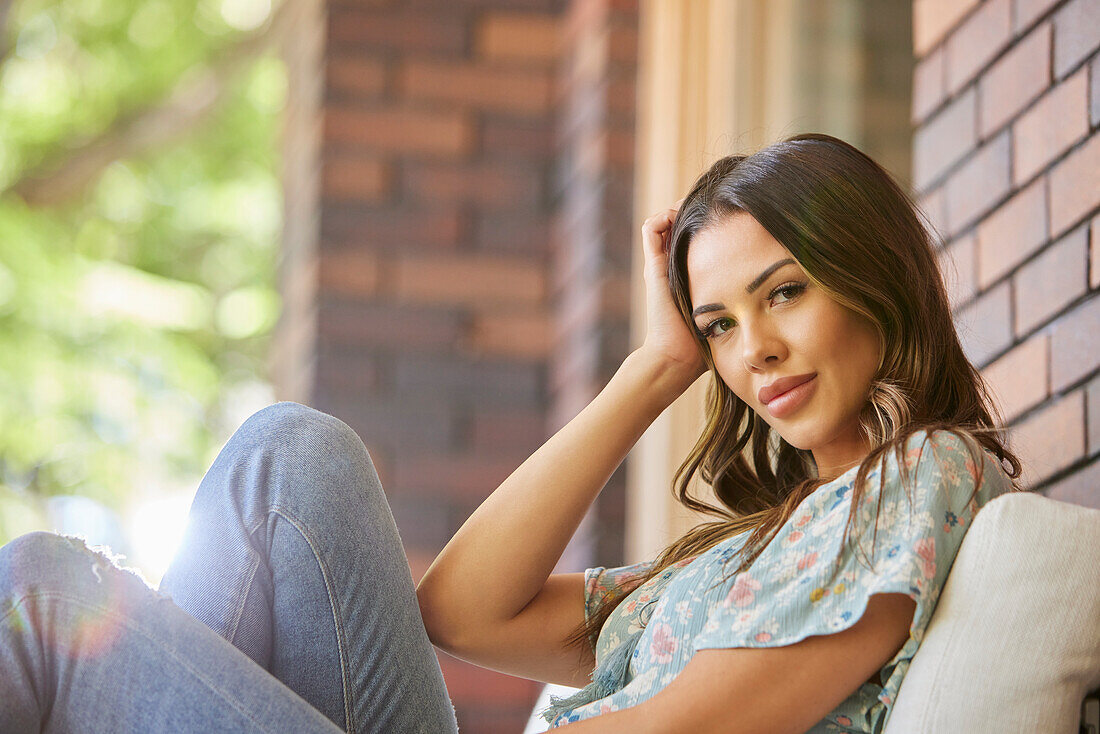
(1014, 643)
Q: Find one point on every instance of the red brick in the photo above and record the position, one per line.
(518, 90)
(419, 561)
(458, 475)
(494, 718)
(934, 211)
(620, 149)
(958, 266)
(354, 77)
(1074, 186)
(929, 85)
(468, 381)
(355, 178)
(1019, 378)
(1094, 256)
(470, 682)
(1094, 91)
(511, 431)
(465, 5)
(1073, 345)
(932, 19)
(1026, 12)
(622, 98)
(509, 136)
(507, 232)
(473, 279)
(621, 8)
(447, 133)
(615, 291)
(622, 44)
(1050, 440)
(977, 41)
(1093, 410)
(1048, 283)
(504, 36)
(396, 29)
(985, 326)
(1076, 34)
(490, 184)
(1080, 488)
(1012, 233)
(1057, 121)
(1016, 79)
(348, 370)
(977, 185)
(359, 4)
(349, 272)
(426, 520)
(389, 326)
(944, 140)
(386, 424)
(523, 335)
(404, 228)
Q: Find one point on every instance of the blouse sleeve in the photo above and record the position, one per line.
(600, 582)
(910, 553)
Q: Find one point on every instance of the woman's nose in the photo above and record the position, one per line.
(761, 346)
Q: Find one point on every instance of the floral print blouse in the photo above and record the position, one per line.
(791, 591)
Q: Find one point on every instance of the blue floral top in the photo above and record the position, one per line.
(793, 590)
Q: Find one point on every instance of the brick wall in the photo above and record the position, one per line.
(457, 253)
(434, 319)
(1006, 99)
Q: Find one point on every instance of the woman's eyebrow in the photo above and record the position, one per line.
(756, 283)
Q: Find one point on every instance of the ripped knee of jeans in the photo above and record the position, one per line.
(106, 560)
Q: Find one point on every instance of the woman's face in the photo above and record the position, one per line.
(786, 327)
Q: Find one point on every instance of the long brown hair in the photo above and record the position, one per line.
(858, 236)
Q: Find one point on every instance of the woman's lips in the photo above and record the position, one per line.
(790, 401)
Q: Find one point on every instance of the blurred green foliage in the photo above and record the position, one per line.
(132, 311)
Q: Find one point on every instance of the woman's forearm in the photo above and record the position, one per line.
(502, 555)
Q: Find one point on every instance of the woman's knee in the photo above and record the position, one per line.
(44, 561)
(318, 444)
(290, 421)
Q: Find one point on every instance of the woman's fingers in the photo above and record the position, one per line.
(655, 232)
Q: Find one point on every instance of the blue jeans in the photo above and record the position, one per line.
(289, 607)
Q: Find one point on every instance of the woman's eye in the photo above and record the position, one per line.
(722, 324)
(710, 329)
(790, 290)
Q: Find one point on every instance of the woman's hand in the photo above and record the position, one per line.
(668, 339)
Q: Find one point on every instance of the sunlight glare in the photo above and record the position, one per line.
(156, 528)
(245, 15)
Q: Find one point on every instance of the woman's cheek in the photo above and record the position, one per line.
(736, 380)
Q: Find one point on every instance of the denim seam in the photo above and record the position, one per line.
(138, 631)
(341, 647)
(231, 633)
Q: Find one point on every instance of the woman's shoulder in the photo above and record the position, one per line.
(928, 465)
(934, 467)
(956, 451)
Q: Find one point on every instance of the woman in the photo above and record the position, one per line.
(801, 278)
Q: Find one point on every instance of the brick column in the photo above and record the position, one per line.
(457, 251)
(1006, 101)
(435, 320)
